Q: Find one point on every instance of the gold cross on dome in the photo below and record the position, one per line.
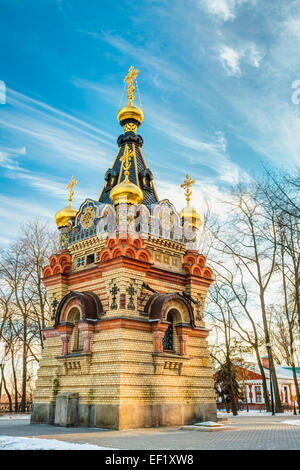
(130, 77)
(125, 159)
(70, 186)
(188, 182)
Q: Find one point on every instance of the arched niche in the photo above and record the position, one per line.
(76, 341)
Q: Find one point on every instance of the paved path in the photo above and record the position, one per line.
(251, 432)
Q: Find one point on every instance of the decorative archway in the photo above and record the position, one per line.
(74, 321)
(174, 312)
(159, 305)
(88, 303)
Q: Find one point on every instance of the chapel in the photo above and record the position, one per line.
(126, 346)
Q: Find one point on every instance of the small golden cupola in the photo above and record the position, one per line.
(126, 192)
(189, 214)
(63, 216)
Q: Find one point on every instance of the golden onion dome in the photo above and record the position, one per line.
(63, 216)
(126, 192)
(130, 112)
(190, 214)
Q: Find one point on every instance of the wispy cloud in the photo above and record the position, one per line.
(51, 186)
(58, 115)
(205, 194)
(231, 58)
(9, 157)
(23, 210)
(224, 9)
(158, 70)
(292, 26)
(11, 206)
(52, 195)
(56, 131)
(218, 127)
(151, 62)
(254, 55)
(277, 138)
(206, 150)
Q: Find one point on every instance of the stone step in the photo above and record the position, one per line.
(208, 426)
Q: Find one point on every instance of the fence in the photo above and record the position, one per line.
(5, 408)
(255, 406)
(243, 406)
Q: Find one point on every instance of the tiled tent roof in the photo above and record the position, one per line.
(137, 166)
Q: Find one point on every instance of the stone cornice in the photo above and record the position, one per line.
(166, 243)
(96, 241)
(124, 262)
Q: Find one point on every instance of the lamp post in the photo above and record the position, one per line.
(2, 368)
(244, 375)
(1, 371)
(268, 346)
(293, 397)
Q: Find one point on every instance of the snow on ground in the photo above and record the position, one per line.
(30, 443)
(222, 414)
(10, 416)
(292, 422)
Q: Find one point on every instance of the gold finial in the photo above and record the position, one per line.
(70, 186)
(187, 186)
(125, 159)
(132, 74)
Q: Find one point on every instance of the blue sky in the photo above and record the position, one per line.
(215, 81)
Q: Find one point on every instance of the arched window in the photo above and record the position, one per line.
(168, 339)
(76, 339)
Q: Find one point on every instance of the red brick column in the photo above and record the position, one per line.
(158, 333)
(183, 334)
(65, 332)
(182, 344)
(87, 342)
(87, 330)
(65, 344)
(158, 337)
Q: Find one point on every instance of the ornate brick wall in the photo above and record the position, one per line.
(123, 376)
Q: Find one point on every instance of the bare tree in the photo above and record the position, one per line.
(222, 355)
(247, 244)
(279, 334)
(231, 295)
(24, 308)
(280, 196)
(281, 199)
